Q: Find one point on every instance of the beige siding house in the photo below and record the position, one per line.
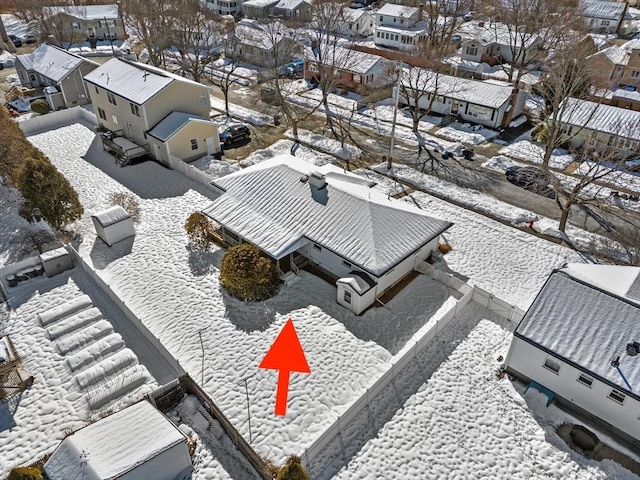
(100, 22)
(184, 136)
(131, 99)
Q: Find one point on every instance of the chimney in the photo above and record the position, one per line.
(317, 180)
(420, 12)
(481, 24)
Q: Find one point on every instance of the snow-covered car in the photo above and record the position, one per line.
(6, 62)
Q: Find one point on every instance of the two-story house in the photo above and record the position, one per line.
(602, 16)
(255, 43)
(258, 9)
(360, 22)
(618, 66)
(225, 7)
(399, 27)
(166, 114)
(293, 10)
(61, 71)
(100, 22)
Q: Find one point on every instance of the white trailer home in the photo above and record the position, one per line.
(579, 340)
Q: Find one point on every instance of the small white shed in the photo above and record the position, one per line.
(113, 224)
(136, 443)
(56, 261)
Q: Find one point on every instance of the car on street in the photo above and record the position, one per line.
(31, 38)
(234, 133)
(17, 41)
(531, 178)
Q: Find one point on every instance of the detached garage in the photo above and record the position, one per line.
(136, 443)
(113, 224)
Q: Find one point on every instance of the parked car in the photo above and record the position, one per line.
(293, 69)
(234, 133)
(31, 38)
(532, 179)
(17, 41)
(7, 62)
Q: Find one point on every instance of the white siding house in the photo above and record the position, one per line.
(136, 443)
(295, 211)
(603, 16)
(475, 101)
(579, 338)
(399, 27)
(359, 22)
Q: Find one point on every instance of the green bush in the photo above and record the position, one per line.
(40, 106)
(292, 470)
(248, 275)
(199, 230)
(25, 473)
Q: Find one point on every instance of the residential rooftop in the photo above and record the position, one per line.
(602, 9)
(52, 62)
(87, 12)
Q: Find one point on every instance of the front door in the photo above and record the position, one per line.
(454, 107)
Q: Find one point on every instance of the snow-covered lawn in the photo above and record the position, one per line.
(14, 26)
(325, 144)
(285, 146)
(533, 152)
(384, 113)
(466, 133)
(245, 114)
(619, 179)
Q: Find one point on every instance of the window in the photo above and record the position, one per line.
(380, 18)
(194, 144)
(585, 380)
(75, 25)
(617, 396)
(317, 247)
(134, 109)
(112, 98)
(313, 67)
(552, 365)
(356, 78)
(346, 264)
(102, 114)
(394, 19)
(347, 296)
(635, 74)
(471, 50)
(114, 119)
(605, 23)
(97, 91)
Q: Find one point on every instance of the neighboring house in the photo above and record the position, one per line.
(251, 44)
(51, 66)
(296, 212)
(100, 22)
(625, 98)
(131, 99)
(602, 16)
(225, 7)
(483, 102)
(134, 443)
(359, 22)
(578, 340)
(258, 9)
(494, 43)
(618, 65)
(355, 70)
(294, 10)
(601, 127)
(399, 27)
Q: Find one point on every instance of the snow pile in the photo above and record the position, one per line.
(466, 133)
(325, 144)
(616, 179)
(215, 168)
(533, 152)
(287, 146)
(384, 113)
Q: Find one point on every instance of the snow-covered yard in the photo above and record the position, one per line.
(533, 152)
(466, 133)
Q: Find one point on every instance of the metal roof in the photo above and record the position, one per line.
(400, 11)
(492, 94)
(86, 12)
(601, 118)
(344, 59)
(52, 62)
(586, 314)
(134, 81)
(270, 205)
(602, 9)
(173, 122)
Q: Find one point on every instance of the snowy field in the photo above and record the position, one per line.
(533, 152)
(466, 133)
(285, 146)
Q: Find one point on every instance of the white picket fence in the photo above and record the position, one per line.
(56, 119)
(469, 293)
(190, 171)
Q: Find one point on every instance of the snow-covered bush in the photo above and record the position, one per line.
(247, 274)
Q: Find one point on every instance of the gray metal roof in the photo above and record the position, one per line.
(137, 82)
(602, 9)
(601, 118)
(86, 12)
(576, 318)
(343, 58)
(52, 62)
(173, 122)
(271, 207)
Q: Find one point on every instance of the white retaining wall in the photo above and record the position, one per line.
(470, 293)
(56, 119)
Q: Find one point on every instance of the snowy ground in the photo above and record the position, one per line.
(14, 26)
(466, 133)
(286, 146)
(533, 152)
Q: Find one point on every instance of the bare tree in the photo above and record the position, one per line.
(223, 77)
(150, 21)
(5, 41)
(195, 32)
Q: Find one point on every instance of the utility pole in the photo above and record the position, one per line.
(395, 113)
(202, 347)
(106, 22)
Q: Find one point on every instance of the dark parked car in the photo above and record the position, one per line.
(234, 133)
(31, 38)
(532, 179)
(17, 41)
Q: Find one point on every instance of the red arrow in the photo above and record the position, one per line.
(286, 356)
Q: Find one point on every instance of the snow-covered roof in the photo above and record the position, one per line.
(271, 206)
(400, 11)
(290, 4)
(586, 315)
(407, 32)
(258, 3)
(495, 32)
(55, 253)
(627, 94)
(354, 14)
(491, 94)
(114, 445)
(343, 58)
(137, 82)
(253, 35)
(111, 216)
(52, 62)
(88, 12)
(619, 54)
(173, 122)
(601, 118)
(602, 9)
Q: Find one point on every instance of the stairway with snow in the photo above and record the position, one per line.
(103, 368)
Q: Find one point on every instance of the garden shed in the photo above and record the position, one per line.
(113, 225)
(56, 261)
(138, 442)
